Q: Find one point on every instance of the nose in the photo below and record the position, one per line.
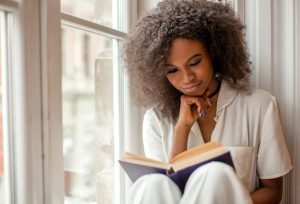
(187, 75)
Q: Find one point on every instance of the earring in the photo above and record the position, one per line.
(217, 75)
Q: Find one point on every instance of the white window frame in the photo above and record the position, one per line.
(5, 39)
(36, 98)
(24, 113)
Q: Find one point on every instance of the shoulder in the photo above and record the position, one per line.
(254, 99)
(152, 117)
(257, 98)
(150, 114)
(260, 105)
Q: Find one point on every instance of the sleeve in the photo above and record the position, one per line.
(273, 157)
(152, 137)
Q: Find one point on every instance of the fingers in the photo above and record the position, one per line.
(205, 109)
(205, 95)
(207, 100)
(205, 92)
(202, 104)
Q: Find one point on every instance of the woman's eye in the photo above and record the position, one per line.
(194, 63)
(171, 71)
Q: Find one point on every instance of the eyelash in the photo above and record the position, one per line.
(171, 71)
(195, 63)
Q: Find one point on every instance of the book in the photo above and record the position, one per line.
(180, 167)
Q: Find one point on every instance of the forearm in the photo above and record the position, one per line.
(190, 108)
(180, 140)
(265, 195)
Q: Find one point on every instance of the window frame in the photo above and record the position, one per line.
(23, 114)
(52, 102)
(7, 127)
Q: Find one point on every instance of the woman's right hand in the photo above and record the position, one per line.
(192, 108)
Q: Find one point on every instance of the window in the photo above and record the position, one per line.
(88, 116)
(97, 11)
(64, 99)
(91, 95)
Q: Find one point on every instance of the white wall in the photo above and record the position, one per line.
(145, 5)
(273, 40)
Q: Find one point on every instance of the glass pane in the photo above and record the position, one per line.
(87, 83)
(2, 49)
(98, 11)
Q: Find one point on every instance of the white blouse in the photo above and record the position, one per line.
(247, 124)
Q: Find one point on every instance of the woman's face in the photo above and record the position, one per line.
(189, 68)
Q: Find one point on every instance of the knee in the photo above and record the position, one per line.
(154, 188)
(155, 182)
(216, 169)
(160, 182)
(220, 168)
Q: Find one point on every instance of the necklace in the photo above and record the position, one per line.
(216, 91)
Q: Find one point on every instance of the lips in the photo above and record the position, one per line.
(191, 87)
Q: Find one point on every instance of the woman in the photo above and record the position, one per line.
(188, 64)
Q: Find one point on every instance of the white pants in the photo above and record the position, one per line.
(213, 183)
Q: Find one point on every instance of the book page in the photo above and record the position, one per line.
(198, 158)
(135, 159)
(196, 151)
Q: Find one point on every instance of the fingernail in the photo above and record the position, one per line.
(202, 114)
(208, 101)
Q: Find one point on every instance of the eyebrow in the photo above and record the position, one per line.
(196, 55)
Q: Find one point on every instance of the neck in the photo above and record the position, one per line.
(216, 91)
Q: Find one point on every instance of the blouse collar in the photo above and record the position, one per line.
(226, 95)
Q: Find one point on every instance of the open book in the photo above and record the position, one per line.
(180, 167)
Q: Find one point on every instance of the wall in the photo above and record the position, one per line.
(273, 40)
(145, 5)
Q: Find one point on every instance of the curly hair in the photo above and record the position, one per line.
(147, 48)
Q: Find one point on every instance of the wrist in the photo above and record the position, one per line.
(184, 123)
(183, 128)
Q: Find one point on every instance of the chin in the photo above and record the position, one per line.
(194, 94)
